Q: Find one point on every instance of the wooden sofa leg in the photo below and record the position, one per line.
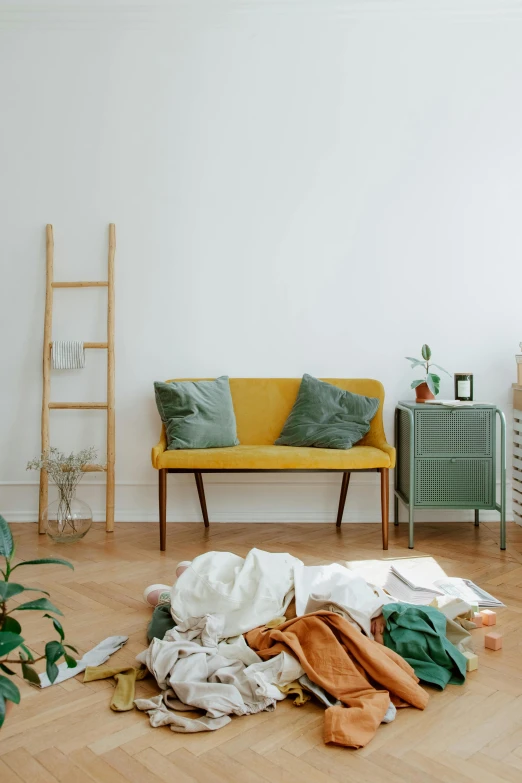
(342, 498)
(162, 487)
(201, 495)
(385, 502)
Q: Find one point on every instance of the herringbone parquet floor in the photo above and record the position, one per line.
(68, 733)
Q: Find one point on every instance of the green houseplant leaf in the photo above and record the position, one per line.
(414, 384)
(433, 382)
(9, 589)
(12, 625)
(416, 362)
(440, 368)
(44, 561)
(9, 690)
(26, 654)
(29, 674)
(53, 651)
(6, 539)
(39, 605)
(426, 352)
(9, 641)
(57, 626)
(70, 661)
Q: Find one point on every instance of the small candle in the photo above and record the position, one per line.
(464, 386)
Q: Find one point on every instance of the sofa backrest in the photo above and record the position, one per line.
(262, 406)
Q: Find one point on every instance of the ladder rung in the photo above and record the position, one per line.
(78, 405)
(94, 468)
(89, 345)
(82, 284)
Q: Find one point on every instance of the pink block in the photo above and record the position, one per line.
(477, 619)
(493, 641)
(489, 617)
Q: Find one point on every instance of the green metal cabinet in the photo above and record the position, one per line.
(446, 458)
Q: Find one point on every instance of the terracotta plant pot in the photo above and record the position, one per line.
(423, 393)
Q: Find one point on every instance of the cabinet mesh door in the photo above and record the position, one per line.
(453, 432)
(459, 482)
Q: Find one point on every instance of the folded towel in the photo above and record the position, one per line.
(68, 355)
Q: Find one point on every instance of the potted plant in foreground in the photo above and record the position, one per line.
(428, 387)
(13, 648)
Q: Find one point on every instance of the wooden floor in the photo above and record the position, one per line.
(68, 733)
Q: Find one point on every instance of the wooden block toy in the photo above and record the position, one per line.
(493, 641)
(471, 661)
(489, 617)
(477, 619)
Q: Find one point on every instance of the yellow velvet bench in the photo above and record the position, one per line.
(262, 406)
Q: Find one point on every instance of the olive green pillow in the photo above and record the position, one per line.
(327, 417)
(197, 414)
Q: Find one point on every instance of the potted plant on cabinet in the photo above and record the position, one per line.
(13, 648)
(428, 387)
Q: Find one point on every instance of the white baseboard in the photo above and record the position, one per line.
(252, 498)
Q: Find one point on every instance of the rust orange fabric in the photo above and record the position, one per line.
(362, 674)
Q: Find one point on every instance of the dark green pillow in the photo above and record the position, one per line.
(197, 414)
(327, 417)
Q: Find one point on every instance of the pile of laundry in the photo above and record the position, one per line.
(240, 634)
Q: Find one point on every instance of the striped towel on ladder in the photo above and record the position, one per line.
(68, 355)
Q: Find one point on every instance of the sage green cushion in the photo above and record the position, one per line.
(197, 414)
(327, 417)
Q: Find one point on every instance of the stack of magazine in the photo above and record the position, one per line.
(404, 584)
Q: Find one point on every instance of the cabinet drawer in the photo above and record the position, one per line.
(454, 482)
(455, 432)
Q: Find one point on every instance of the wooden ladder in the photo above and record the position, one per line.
(47, 405)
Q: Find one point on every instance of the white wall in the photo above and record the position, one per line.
(316, 186)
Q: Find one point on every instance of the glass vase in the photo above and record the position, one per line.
(68, 520)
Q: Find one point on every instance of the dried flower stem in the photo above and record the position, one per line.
(66, 472)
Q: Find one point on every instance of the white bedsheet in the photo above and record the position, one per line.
(248, 591)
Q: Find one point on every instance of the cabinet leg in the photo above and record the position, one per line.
(477, 519)
(395, 510)
(410, 527)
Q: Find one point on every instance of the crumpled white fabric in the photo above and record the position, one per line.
(193, 673)
(248, 591)
(337, 589)
(280, 670)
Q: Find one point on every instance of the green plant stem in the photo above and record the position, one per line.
(10, 660)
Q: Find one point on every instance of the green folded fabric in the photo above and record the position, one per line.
(160, 623)
(418, 634)
(327, 417)
(197, 414)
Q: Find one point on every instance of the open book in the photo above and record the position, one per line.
(455, 403)
(418, 580)
(404, 585)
